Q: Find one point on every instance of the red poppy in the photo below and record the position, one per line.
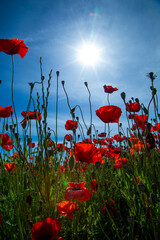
(70, 125)
(156, 127)
(60, 147)
(31, 115)
(61, 169)
(6, 112)
(0, 220)
(13, 46)
(32, 145)
(69, 137)
(9, 166)
(67, 208)
(77, 191)
(6, 142)
(99, 141)
(47, 229)
(141, 121)
(109, 208)
(87, 152)
(103, 134)
(109, 114)
(119, 138)
(103, 151)
(49, 143)
(87, 140)
(120, 162)
(94, 186)
(133, 107)
(113, 152)
(109, 89)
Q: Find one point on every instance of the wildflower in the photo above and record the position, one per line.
(109, 89)
(6, 142)
(110, 206)
(32, 145)
(87, 140)
(133, 107)
(87, 152)
(48, 229)
(69, 137)
(109, 114)
(70, 125)
(0, 219)
(13, 46)
(9, 166)
(67, 208)
(119, 138)
(6, 112)
(103, 134)
(156, 127)
(77, 191)
(113, 152)
(120, 162)
(141, 121)
(61, 169)
(31, 115)
(94, 186)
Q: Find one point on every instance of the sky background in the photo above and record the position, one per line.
(128, 33)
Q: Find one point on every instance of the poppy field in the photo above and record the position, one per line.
(89, 186)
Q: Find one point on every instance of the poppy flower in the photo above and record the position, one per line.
(99, 141)
(103, 134)
(109, 114)
(48, 229)
(87, 152)
(141, 121)
(156, 127)
(0, 220)
(77, 191)
(32, 145)
(133, 107)
(67, 208)
(113, 152)
(94, 186)
(13, 46)
(119, 138)
(6, 112)
(31, 115)
(6, 142)
(9, 166)
(61, 169)
(120, 162)
(109, 89)
(87, 140)
(69, 137)
(109, 208)
(70, 125)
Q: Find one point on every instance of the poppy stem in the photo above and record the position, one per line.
(12, 93)
(57, 108)
(108, 99)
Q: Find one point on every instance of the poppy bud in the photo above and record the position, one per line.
(63, 82)
(123, 96)
(57, 73)
(86, 84)
(42, 78)
(0, 81)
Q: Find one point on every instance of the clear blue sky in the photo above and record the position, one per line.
(127, 31)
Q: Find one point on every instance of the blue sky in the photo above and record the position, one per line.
(126, 31)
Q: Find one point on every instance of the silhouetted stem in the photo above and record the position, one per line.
(14, 110)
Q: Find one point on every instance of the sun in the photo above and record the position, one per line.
(89, 54)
